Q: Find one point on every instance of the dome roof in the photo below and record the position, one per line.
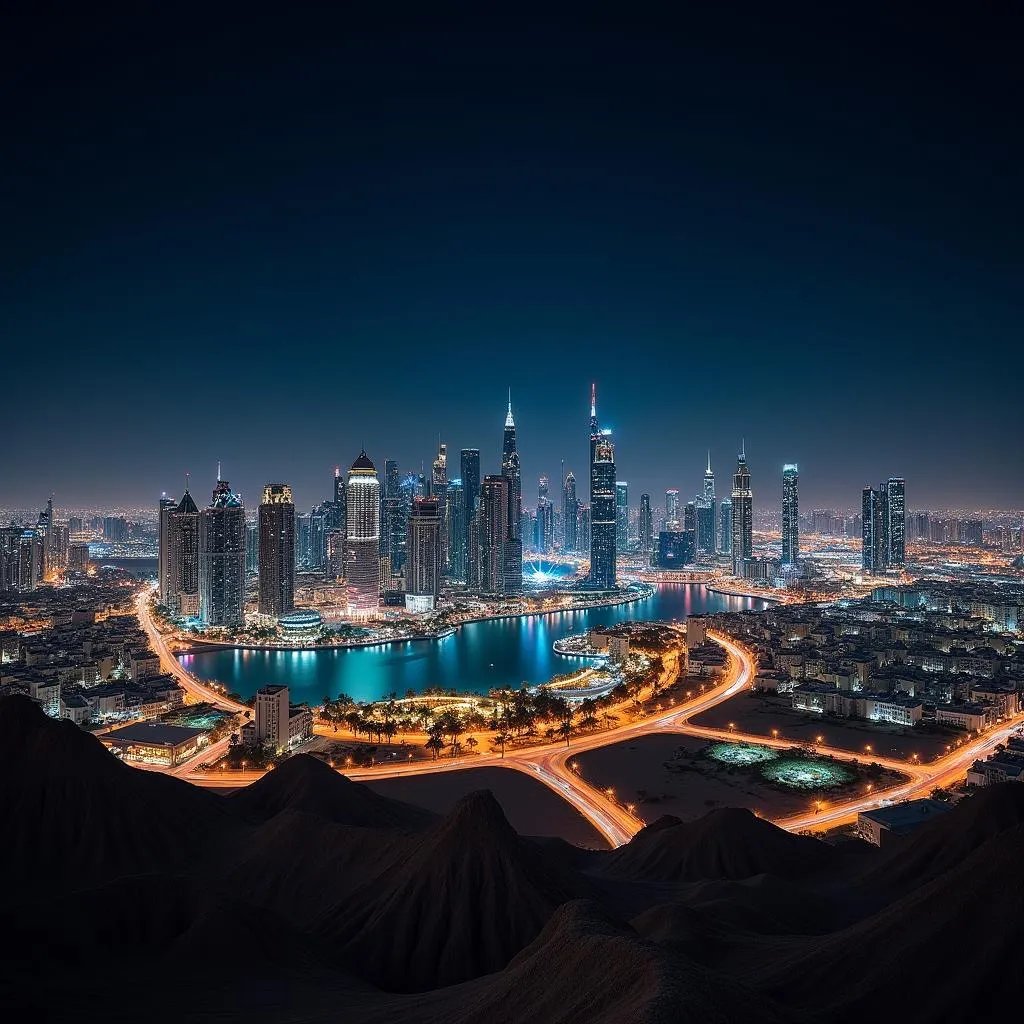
(364, 463)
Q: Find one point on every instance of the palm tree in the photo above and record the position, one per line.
(435, 745)
(565, 729)
(500, 739)
(472, 743)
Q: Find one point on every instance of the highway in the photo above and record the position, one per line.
(549, 763)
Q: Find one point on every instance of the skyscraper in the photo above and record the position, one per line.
(276, 526)
(646, 524)
(339, 499)
(164, 511)
(493, 533)
(742, 514)
(469, 464)
(725, 526)
(790, 514)
(896, 523)
(672, 509)
(621, 516)
(183, 559)
(439, 490)
(423, 561)
(873, 522)
(222, 541)
(513, 548)
(544, 536)
(457, 530)
(707, 514)
(362, 563)
(602, 503)
(395, 506)
(571, 512)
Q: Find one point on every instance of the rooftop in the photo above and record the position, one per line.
(901, 817)
(154, 734)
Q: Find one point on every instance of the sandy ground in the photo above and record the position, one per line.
(760, 713)
(531, 808)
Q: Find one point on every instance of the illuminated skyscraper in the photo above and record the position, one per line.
(646, 524)
(164, 511)
(457, 530)
(742, 514)
(493, 534)
(873, 521)
(790, 514)
(513, 548)
(896, 523)
(423, 561)
(276, 527)
(571, 513)
(469, 459)
(395, 506)
(544, 528)
(222, 543)
(439, 490)
(707, 514)
(182, 537)
(362, 563)
(621, 516)
(672, 509)
(602, 503)
(725, 526)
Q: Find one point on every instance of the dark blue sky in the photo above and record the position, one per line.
(273, 240)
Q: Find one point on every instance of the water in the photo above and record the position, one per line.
(479, 657)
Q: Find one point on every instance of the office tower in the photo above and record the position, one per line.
(439, 490)
(395, 504)
(646, 526)
(183, 559)
(543, 487)
(873, 524)
(338, 517)
(276, 527)
(362, 563)
(922, 523)
(725, 526)
(672, 509)
(621, 516)
(602, 503)
(690, 517)
(570, 514)
(303, 531)
(57, 553)
(790, 514)
(75, 524)
(742, 514)
(336, 546)
(469, 465)
(22, 558)
(165, 510)
(78, 559)
(510, 469)
(896, 523)
(492, 517)
(544, 528)
(252, 545)
(222, 559)
(707, 514)
(423, 549)
(583, 528)
(457, 529)
(972, 532)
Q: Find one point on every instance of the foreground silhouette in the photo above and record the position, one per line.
(133, 896)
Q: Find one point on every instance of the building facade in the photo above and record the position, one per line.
(362, 527)
(742, 527)
(276, 528)
(423, 564)
(790, 514)
(222, 543)
(602, 503)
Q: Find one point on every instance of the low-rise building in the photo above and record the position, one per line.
(972, 717)
(155, 743)
(884, 824)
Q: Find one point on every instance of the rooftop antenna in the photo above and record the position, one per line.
(218, 471)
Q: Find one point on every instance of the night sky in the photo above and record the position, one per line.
(274, 240)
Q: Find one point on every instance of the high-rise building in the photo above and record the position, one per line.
(469, 465)
(896, 523)
(115, 529)
(513, 548)
(646, 525)
(725, 526)
(510, 470)
(272, 713)
(690, 517)
(395, 506)
(570, 513)
(362, 563)
(707, 514)
(337, 543)
(22, 558)
(790, 514)
(675, 549)
(423, 561)
(276, 528)
(439, 490)
(602, 503)
(821, 522)
(873, 521)
(621, 516)
(457, 530)
(583, 528)
(222, 540)
(544, 527)
(164, 512)
(742, 514)
(252, 545)
(339, 518)
(493, 532)
(182, 536)
(672, 509)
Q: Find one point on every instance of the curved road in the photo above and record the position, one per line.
(548, 763)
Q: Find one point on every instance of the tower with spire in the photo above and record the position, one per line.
(602, 503)
(707, 517)
(510, 469)
(742, 514)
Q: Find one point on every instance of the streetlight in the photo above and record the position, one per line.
(867, 747)
(775, 734)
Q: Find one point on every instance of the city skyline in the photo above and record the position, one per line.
(262, 207)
